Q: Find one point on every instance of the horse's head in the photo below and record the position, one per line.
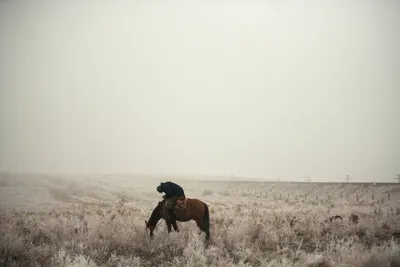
(150, 227)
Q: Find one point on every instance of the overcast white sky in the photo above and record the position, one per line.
(266, 89)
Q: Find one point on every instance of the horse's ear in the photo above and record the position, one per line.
(145, 222)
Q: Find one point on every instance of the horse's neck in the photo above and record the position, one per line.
(155, 216)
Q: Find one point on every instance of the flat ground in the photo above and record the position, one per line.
(88, 220)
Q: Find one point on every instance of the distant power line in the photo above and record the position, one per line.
(308, 179)
(347, 178)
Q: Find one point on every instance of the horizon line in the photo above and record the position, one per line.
(234, 178)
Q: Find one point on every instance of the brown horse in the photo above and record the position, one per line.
(194, 210)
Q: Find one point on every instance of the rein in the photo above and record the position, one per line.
(155, 228)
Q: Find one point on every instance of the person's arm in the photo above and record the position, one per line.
(167, 189)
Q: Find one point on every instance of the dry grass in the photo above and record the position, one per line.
(98, 222)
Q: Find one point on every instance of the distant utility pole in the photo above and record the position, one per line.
(397, 178)
(347, 178)
(308, 179)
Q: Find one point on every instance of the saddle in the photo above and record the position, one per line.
(181, 204)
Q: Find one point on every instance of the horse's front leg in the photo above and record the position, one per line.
(175, 226)
(168, 226)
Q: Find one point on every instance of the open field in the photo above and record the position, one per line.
(99, 221)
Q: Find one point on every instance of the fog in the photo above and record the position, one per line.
(243, 88)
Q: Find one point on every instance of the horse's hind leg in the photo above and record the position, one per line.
(200, 225)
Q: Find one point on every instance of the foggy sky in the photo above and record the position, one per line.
(266, 89)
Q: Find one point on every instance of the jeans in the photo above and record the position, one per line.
(170, 202)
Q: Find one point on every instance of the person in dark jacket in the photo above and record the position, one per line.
(173, 192)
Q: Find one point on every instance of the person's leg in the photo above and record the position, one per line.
(169, 202)
(169, 206)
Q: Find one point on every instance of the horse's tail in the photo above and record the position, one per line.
(206, 221)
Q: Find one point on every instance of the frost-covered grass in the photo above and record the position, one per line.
(92, 224)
